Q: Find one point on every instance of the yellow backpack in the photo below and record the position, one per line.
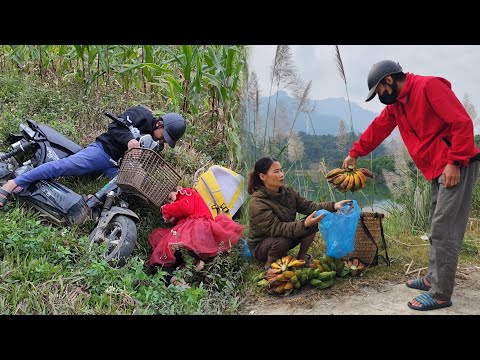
(222, 189)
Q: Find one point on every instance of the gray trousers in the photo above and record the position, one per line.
(449, 213)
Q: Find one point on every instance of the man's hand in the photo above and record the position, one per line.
(451, 175)
(312, 220)
(350, 160)
(133, 144)
(339, 204)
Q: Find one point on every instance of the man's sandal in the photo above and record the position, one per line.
(418, 284)
(5, 198)
(428, 302)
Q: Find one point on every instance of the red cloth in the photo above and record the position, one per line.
(429, 116)
(195, 230)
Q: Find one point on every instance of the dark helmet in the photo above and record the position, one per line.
(174, 127)
(378, 72)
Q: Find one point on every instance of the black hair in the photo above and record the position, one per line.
(261, 167)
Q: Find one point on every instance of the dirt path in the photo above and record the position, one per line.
(362, 298)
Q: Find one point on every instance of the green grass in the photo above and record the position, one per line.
(46, 269)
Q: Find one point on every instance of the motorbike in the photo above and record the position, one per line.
(115, 224)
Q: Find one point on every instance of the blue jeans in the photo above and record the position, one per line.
(89, 161)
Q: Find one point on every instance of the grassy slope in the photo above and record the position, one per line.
(49, 270)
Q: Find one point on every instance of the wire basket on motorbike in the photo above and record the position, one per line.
(144, 171)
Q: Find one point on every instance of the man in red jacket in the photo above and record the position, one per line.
(438, 133)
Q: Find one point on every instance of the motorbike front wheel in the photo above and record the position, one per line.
(119, 238)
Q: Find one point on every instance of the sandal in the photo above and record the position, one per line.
(428, 302)
(418, 284)
(5, 198)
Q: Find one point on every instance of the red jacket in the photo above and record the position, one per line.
(434, 126)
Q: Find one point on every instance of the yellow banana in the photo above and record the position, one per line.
(362, 178)
(334, 172)
(337, 180)
(289, 274)
(289, 258)
(366, 172)
(281, 277)
(276, 266)
(296, 263)
(358, 182)
(351, 182)
(344, 183)
(289, 285)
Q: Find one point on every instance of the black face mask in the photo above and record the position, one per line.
(387, 98)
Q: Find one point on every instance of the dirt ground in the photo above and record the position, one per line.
(360, 297)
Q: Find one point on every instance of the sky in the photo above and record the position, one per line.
(459, 64)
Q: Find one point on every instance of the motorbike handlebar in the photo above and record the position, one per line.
(18, 147)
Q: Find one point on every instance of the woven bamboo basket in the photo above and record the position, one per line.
(144, 171)
(364, 249)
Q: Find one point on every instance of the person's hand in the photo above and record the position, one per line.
(172, 197)
(451, 175)
(339, 204)
(312, 220)
(350, 160)
(133, 144)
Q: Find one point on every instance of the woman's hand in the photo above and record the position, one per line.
(312, 220)
(339, 204)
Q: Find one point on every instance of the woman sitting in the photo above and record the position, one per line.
(272, 211)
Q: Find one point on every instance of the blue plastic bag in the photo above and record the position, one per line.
(338, 229)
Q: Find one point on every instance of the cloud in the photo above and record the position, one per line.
(457, 63)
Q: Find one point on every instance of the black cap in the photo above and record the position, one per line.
(174, 127)
(378, 72)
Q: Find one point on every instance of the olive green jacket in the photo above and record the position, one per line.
(273, 214)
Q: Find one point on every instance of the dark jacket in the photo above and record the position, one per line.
(434, 125)
(116, 138)
(273, 214)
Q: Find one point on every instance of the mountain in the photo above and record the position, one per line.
(325, 119)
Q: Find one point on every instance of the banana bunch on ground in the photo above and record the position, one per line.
(355, 266)
(348, 179)
(288, 274)
(282, 277)
(316, 277)
(286, 263)
(328, 263)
